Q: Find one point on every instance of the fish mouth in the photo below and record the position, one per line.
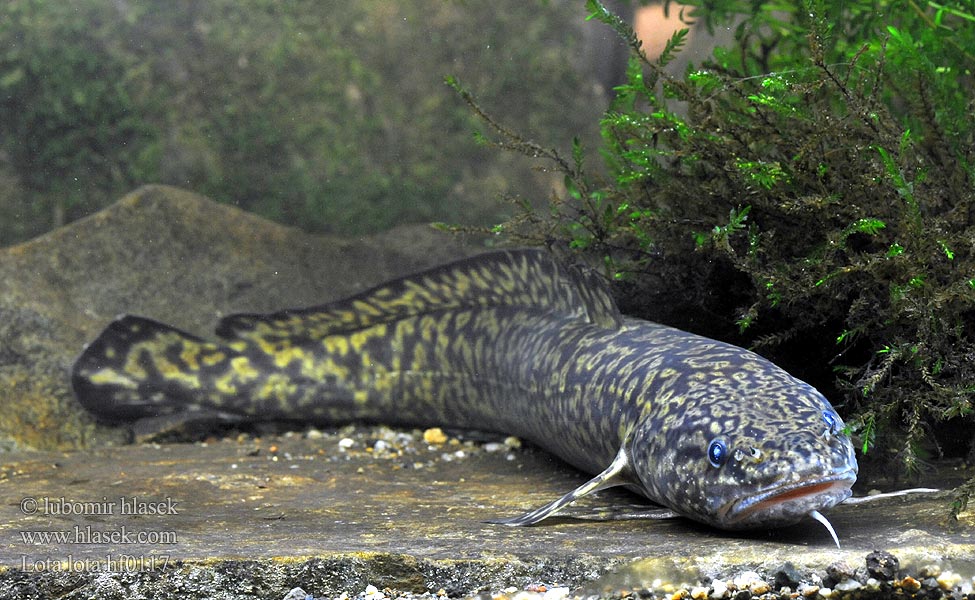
(789, 503)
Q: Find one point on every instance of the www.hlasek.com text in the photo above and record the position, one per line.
(89, 535)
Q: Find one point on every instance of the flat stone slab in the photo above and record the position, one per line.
(333, 512)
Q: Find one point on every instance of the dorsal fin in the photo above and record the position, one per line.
(593, 290)
(518, 278)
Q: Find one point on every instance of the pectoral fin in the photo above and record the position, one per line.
(617, 473)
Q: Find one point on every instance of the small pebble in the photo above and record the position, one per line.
(719, 589)
(848, 585)
(949, 580)
(758, 588)
(556, 593)
(435, 436)
(882, 565)
(786, 575)
(373, 593)
(512, 442)
(296, 594)
(745, 579)
(314, 434)
(839, 570)
(699, 593)
(929, 571)
(808, 590)
(346, 443)
(908, 584)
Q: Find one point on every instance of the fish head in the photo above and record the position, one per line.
(754, 457)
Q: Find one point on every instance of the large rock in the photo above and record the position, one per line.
(171, 255)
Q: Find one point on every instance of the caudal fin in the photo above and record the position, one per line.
(138, 369)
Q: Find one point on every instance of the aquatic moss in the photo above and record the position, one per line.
(807, 193)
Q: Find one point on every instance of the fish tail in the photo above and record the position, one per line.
(138, 368)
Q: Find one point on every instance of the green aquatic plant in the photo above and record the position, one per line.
(324, 115)
(807, 192)
(71, 125)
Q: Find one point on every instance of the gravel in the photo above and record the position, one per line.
(786, 583)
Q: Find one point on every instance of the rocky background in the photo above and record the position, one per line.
(171, 255)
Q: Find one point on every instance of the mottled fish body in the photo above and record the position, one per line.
(515, 342)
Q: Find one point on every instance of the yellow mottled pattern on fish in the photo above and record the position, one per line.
(516, 342)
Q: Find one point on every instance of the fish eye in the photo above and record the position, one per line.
(717, 452)
(832, 422)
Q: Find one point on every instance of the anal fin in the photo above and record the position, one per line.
(184, 425)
